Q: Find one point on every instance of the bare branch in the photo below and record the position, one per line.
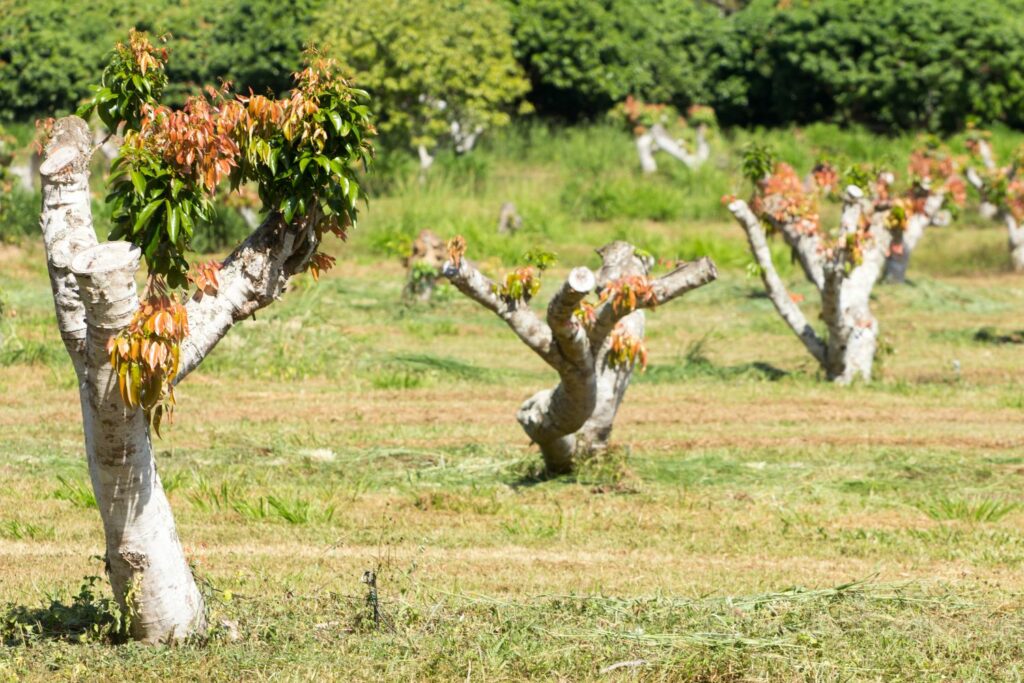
(673, 148)
(523, 321)
(253, 276)
(777, 292)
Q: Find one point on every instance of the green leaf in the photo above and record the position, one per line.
(172, 223)
(144, 216)
(288, 208)
(139, 182)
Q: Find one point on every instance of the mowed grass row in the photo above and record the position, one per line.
(752, 523)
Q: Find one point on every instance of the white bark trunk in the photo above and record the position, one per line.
(903, 246)
(675, 148)
(574, 420)
(1015, 235)
(848, 351)
(426, 159)
(94, 295)
(148, 571)
(645, 150)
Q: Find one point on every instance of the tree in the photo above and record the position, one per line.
(649, 124)
(930, 64)
(583, 56)
(592, 346)
(842, 265)
(935, 182)
(48, 55)
(436, 68)
(1001, 190)
(130, 354)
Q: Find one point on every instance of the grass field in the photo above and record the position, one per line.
(753, 522)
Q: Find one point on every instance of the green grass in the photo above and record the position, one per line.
(751, 522)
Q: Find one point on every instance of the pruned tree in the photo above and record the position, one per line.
(593, 346)
(129, 352)
(509, 220)
(423, 266)
(1002, 192)
(843, 265)
(935, 183)
(650, 125)
(440, 71)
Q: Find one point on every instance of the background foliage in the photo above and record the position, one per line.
(890, 65)
(412, 54)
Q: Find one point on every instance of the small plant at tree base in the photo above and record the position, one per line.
(844, 264)
(592, 346)
(300, 153)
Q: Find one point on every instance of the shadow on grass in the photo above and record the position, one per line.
(87, 617)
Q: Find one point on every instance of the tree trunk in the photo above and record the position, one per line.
(896, 266)
(645, 150)
(94, 296)
(426, 158)
(1016, 242)
(574, 420)
(148, 571)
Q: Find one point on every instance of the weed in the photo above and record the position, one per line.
(76, 492)
(979, 510)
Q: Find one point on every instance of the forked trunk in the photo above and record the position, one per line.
(151, 578)
(574, 420)
(94, 296)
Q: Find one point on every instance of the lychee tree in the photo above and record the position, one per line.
(1002, 191)
(842, 264)
(936, 190)
(660, 127)
(593, 344)
(441, 72)
(130, 352)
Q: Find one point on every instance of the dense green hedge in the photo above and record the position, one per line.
(889, 64)
(893, 64)
(583, 56)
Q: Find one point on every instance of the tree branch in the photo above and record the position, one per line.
(777, 292)
(523, 321)
(670, 286)
(253, 276)
(66, 223)
(569, 335)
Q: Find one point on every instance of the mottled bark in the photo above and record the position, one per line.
(423, 266)
(94, 294)
(905, 242)
(847, 350)
(574, 419)
(1014, 231)
(95, 297)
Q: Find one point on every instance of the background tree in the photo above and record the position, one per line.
(935, 182)
(657, 127)
(929, 64)
(593, 347)
(436, 69)
(1002, 192)
(843, 265)
(129, 355)
(583, 56)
